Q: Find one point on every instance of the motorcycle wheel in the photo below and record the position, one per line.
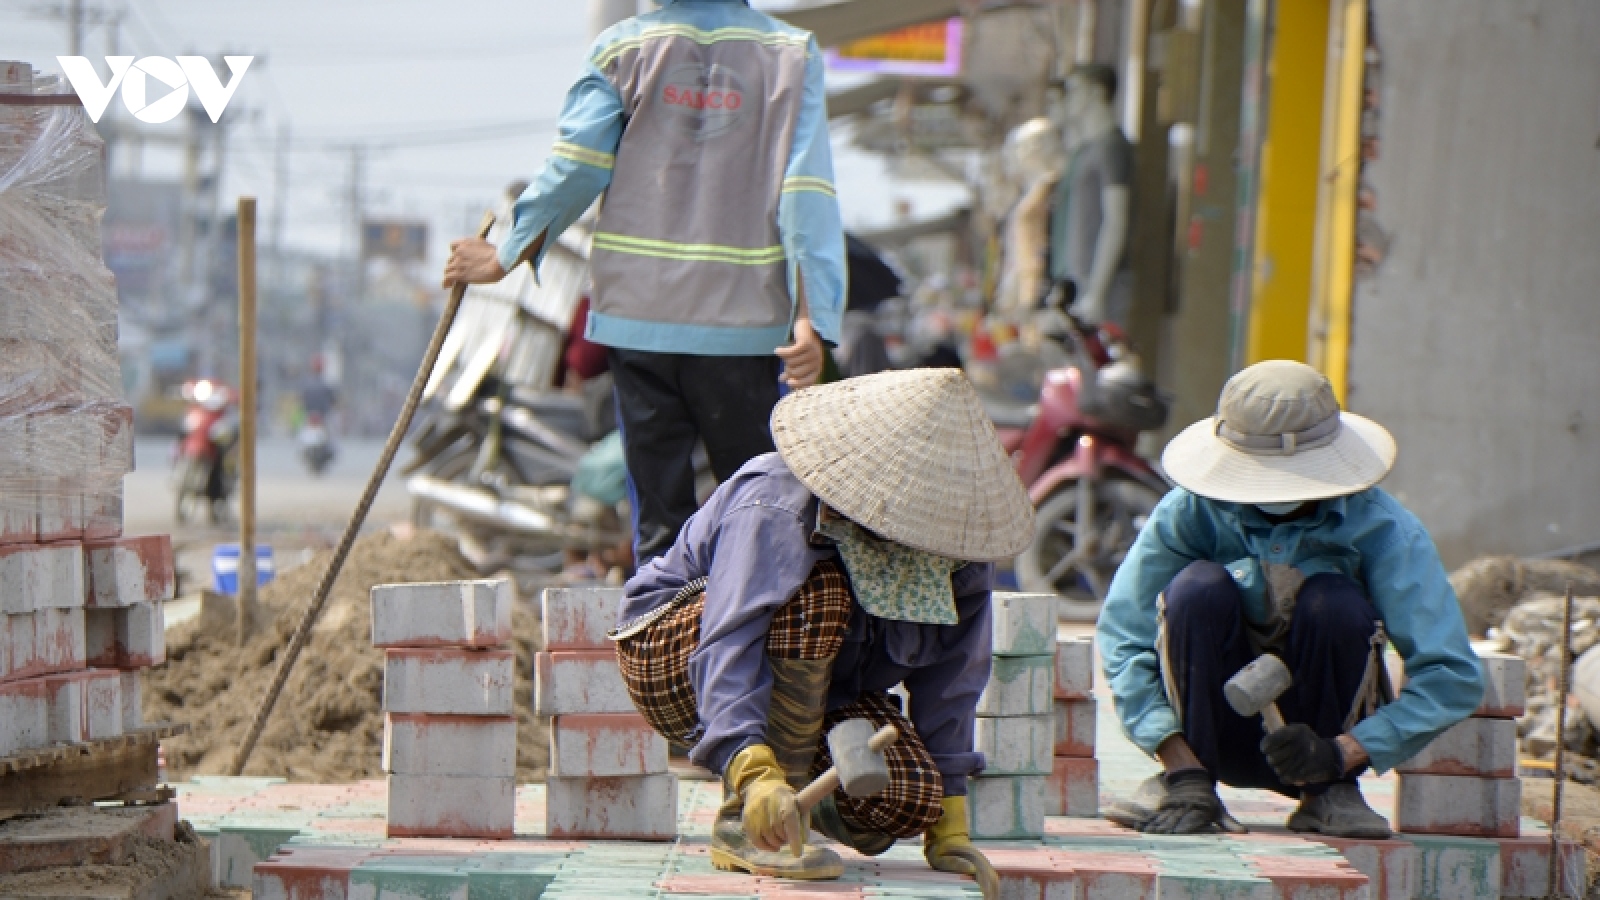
(190, 490)
(1051, 564)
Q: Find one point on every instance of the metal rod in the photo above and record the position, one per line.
(247, 420)
(302, 632)
(1554, 883)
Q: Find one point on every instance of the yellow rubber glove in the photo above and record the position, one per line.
(948, 847)
(771, 816)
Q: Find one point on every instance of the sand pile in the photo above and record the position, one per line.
(328, 723)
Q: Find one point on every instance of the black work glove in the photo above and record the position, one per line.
(1191, 805)
(1299, 756)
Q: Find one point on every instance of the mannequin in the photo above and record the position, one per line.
(1034, 158)
(1089, 224)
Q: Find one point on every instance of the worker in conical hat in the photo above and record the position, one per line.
(1277, 540)
(856, 558)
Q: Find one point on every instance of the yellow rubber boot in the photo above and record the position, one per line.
(760, 807)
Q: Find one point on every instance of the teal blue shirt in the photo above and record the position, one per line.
(1368, 537)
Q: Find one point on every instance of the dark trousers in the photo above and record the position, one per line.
(1327, 649)
(667, 401)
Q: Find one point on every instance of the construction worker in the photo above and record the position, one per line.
(854, 559)
(1277, 540)
(718, 252)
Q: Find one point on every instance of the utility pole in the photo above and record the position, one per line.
(75, 28)
(280, 190)
(357, 201)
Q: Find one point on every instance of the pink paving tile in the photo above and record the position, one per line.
(723, 884)
(1060, 826)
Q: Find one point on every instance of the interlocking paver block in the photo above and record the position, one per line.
(1485, 748)
(635, 808)
(577, 618)
(130, 570)
(1073, 788)
(449, 745)
(1074, 668)
(237, 849)
(41, 576)
(1024, 624)
(451, 806)
(126, 637)
(605, 744)
(47, 641)
(300, 872)
(1075, 727)
(24, 715)
(132, 716)
(1018, 686)
(1459, 805)
(84, 706)
(1006, 806)
(1457, 868)
(448, 681)
(1506, 684)
(442, 614)
(1015, 745)
(1525, 868)
(579, 681)
(1392, 867)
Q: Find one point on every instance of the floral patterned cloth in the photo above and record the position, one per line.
(893, 581)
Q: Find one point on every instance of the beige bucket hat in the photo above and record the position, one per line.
(1279, 437)
(910, 456)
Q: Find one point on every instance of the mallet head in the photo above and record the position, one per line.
(1257, 685)
(863, 771)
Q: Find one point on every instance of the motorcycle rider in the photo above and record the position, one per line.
(1277, 540)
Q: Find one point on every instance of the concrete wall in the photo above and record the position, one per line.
(1477, 340)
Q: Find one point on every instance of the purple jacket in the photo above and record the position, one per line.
(753, 541)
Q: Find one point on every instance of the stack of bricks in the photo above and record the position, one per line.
(608, 769)
(449, 729)
(80, 606)
(1074, 785)
(81, 619)
(1465, 782)
(1015, 729)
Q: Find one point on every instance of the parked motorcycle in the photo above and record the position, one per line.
(316, 444)
(1074, 451)
(205, 466)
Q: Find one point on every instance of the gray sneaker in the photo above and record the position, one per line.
(1340, 811)
(1134, 811)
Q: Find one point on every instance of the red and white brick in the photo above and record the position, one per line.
(450, 745)
(60, 516)
(84, 706)
(24, 716)
(126, 571)
(1486, 748)
(631, 808)
(1015, 745)
(461, 806)
(131, 693)
(1074, 668)
(1525, 868)
(47, 641)
(1459, 805)
(127, 637)
(1023, 624)
(1018, 686)
(1506, 685)
(40, 576)
(579, 681)
(442, 614)
(1073, 787)
(102, 513)
(1075, 727)
(577, 618)
(448, 681)
(605, 745)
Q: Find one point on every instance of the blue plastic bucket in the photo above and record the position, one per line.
(225, 567)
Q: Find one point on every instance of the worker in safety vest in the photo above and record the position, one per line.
(1277, 540)
(718, 253)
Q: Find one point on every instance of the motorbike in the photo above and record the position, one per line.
(1074, 452)
(316, 444)
(205, 467)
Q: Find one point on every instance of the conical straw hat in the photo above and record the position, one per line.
(910, 456)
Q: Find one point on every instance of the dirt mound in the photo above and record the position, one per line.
(1489, 586)
(328, 723)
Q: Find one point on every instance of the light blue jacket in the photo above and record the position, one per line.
(705, 124)
(1368, 537)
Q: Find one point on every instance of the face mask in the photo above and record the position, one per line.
(1279, 509)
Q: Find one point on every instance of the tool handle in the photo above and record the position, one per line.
(885, 736)
(1271, 719)
(812, 794)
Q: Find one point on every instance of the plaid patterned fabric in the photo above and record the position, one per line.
(910, 804)
(655, 662)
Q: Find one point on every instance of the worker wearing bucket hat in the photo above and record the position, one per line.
(856, 558)
(1278, 541)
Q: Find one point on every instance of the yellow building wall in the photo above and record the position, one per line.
(1291, 156)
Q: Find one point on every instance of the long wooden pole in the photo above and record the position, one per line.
(1556, 874)
(313, 609)
(247, 419)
